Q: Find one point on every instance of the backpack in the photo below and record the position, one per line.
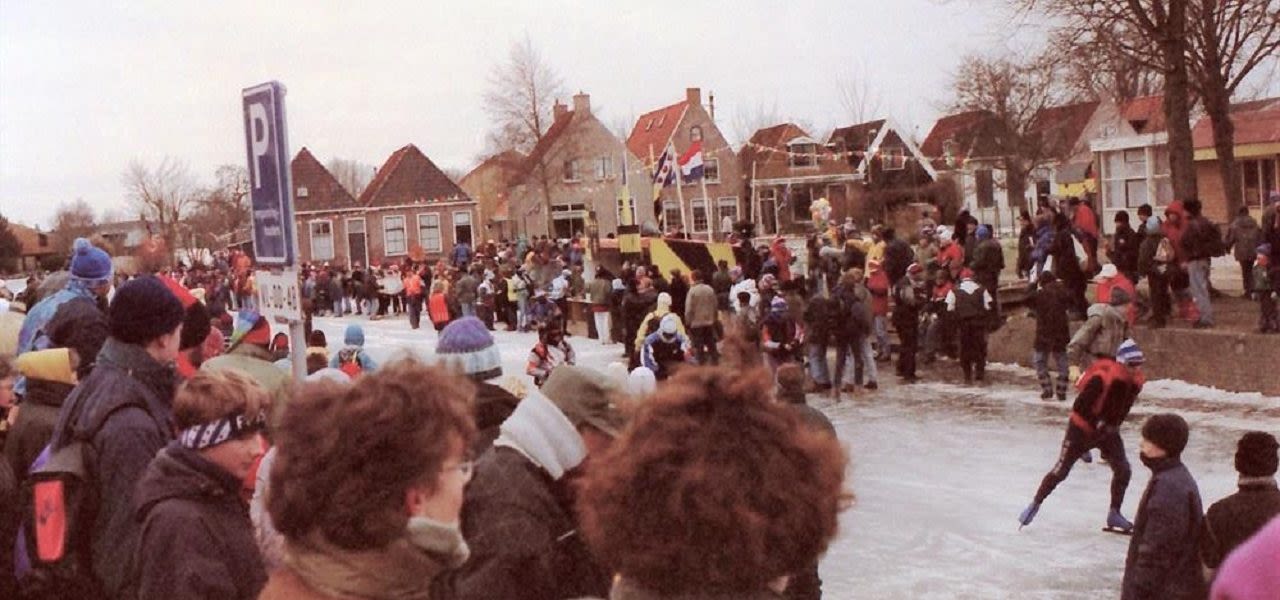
(349, 362)
(1164, 251)
(59, 506)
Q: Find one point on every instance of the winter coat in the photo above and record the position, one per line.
(492, 406)
(679, 291)
(878, 285)
(1163, 562)
(821, 320)
(598, 291)
(969, 301)
(951, 257)
(1250, 572)
(1175, 232)
(721, 281)
(1147, 263)
(124, 409)
(1125, 243)
(1044, 238)
(908, 301)
(46, 390)
(700, 306)
(1066, 264)
(852, 312)
(465, 290)
(1234, 519)
(897, 257)
(257, 362)
(1053, 328)
(197, 541)
(659, 353)
(1102, 333)
(988, 260)
(1243, 237)
(524, 541)
(1108, 390)
(1201, 240)
(1026, 243)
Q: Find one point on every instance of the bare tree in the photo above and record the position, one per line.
(353, 175)
(1154, 34)
(860, 102)
(1013, 91)
(520, 99)
(220, 209)
(1090, 74)
(162, 195)
(73, 220)
(1229, 40)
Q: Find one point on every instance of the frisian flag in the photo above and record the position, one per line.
(664, 172)
(691, 168)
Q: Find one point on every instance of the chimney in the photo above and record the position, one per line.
(558, 110)
(582, 103)
(711, 99)
(693, 95)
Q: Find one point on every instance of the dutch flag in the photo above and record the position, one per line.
(691, 163)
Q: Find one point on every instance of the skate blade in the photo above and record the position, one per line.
(1118, 531)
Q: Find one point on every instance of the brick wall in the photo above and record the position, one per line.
(1211, 192)
(376, 230)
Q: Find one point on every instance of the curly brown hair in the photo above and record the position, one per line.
(348, 452)
(714, 487)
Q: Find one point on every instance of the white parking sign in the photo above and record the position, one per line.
(279, 295)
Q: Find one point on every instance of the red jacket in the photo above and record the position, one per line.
(1107, 392)
(878, 285)
(1119, 282)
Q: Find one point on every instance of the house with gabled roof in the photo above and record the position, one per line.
(966, 148)
(1257, 154)
(571, 182)
(1130, 158)
(331, 225)
(489, 184)
(701, 207)
(415, 210)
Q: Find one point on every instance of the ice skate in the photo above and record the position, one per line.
(1116, 523)
(1028, 514)
(1087, 457)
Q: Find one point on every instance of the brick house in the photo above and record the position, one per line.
(891, 168)
(579, 165)
(681, 125)
(35, 246)
(409, 209)
(489, 184)
(786, 170)
(1257, 150)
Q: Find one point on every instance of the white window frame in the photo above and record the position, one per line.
(364, 230)
(707, 170)
(893, 158)
(768, 195)
(311, 235)
(695, 205)
(796, 150)
(670, 208)
(404, 236)
(425, 224)
(727, 202)
(301, 192)
(470, 224)
(571, 174)
(604, 168)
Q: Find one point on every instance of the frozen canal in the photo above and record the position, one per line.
(941, 471)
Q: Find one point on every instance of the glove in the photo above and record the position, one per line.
(1073, 374)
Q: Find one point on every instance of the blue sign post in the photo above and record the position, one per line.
(270, 188)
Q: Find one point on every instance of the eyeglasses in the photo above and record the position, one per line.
(466, 468)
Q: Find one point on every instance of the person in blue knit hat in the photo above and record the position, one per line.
(352, 359)
(466, 345)
(78, 309)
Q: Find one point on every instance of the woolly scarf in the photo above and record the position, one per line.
(540, 431)
(402, 570)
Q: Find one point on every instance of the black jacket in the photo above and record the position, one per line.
(524, 541)
(819, 316)
(988, 260)
(897, 257)
(34, 426)
(81, 325)
(197, 540)
(1201, 240)
(1053, 329)
(493, 405)
(1163, 561)
(126, 404)
(1124, 249)
(1234, 519)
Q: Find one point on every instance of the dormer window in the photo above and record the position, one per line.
(893, 158)
(302, 192)
(803, 153)
(648, 125)
(695, 134)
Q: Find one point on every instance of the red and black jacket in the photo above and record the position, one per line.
(1107, 391)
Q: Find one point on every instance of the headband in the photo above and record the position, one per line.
(207, 435)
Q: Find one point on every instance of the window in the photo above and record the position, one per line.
(893, 159)
(727, 207)
(671, 214)
(393, 242)
(302, 192)
(429, 232)
(804, 155)
(462, 227)
(571, 170)
(695, 134)
(321, 240)
(1128, 180)
(357, 242)
(632, 211)
(699, 215)
(1259, 177)
(800, 200)
(711, 170)
(768, 217)
(984, 187)
(604, 168)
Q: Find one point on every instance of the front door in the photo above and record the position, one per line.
(357, 243)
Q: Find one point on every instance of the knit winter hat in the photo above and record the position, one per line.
(1153, 223)
(779, 305)
(195, 320)
(142, 310)
(641, 382)
(664, 300)
(1264, 250)
(1168, 431)
(984, 232)
(467, 344)
(354, 335)
(1256, 455)
(669, 324)
(251, 328)
(90, 263)
(1129, 353)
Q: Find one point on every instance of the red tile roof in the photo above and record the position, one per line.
(407, 177)
(857, 137)
(769, 137)
(1256, 122)
(1146, 114)
(548, 140)
(974, 133)
(324, 192)
(653, 130)
(1062, 126)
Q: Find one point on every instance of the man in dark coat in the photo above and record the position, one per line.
(1163, 561)
(518, 515)
(123, 411)
(908, 299)
(1201, 242)
(1234, 519)
(897, 255)
(971, 303)
(1123, 247)
(988, 262)
(197, 540)
(1053, 332)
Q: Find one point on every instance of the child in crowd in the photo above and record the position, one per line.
(1264, 290)
(352, 358)
(551, 351)
(438, 305)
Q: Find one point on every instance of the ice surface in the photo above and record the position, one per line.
(941, 471)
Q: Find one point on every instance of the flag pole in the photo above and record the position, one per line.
(706, 200)
(658, 216)
(684, 216)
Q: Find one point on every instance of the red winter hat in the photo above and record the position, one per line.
(195, 319)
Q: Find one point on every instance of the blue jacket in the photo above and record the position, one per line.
(124, 408)
(34, 334)
(1164, 560)
(1044, 243)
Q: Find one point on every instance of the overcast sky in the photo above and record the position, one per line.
(86, 88)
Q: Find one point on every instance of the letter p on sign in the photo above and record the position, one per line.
(259, 140)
